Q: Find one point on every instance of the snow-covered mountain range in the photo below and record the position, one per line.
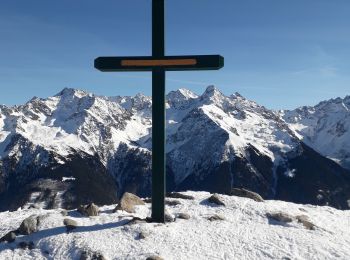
(76, 147)
(324, 127)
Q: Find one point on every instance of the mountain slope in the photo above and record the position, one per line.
(214, 143)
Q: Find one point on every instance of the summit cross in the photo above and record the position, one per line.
(158, 64)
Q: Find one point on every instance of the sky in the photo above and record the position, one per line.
(281, 54)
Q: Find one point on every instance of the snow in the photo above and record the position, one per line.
(246, 233)
(324, 127)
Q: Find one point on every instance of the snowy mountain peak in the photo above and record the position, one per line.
(325, 127)
(70, 92)
(211, 91)
(181, 95)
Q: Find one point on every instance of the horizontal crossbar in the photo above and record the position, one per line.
(169, 63)
(160, 63)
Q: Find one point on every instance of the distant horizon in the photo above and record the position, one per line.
(280, 54)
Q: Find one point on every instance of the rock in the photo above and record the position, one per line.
(29, 225)
(137, 220)
(89, 255)
(155, 257)
(216, 200)
(240, 192)
(143, 235)
(26, 245)
(64, 213)
(215, 218)
(177, 195)
(89, 210)
(128, 203)
(183, 216)
(169, 218)
(9, 237)
(280, 216)
(172, 202)
(92, 210)
(70, 224)
(306, 222)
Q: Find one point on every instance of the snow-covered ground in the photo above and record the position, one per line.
(246, 232)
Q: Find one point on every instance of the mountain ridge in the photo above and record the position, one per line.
(214, 143)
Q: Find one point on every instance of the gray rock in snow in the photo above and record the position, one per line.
(154, 257)
(306, 222)
(216, 200)
(9, 237)
(128, 202)
(172, 202)
(240, 192)
(280, 216)
(183, 216)
(89, 255)
(29, 225)
(70, 224)
(92, 210)
(177, 195)
(216, 217)
(143, 235)
(89, 210)
(168, 217)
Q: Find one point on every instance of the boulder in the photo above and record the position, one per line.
(172, 202)
(169, 218)
(29, 225)
(92, 210)
(154, 257)
(240, 192)
(306, 222)
(70, 224)
(280, 216)
(143, 235)
(89, 255)
(128, 203)
(183, 216)
(216, 200)
(216, 217)
(9, 237)
(177, 195)
(89, 210)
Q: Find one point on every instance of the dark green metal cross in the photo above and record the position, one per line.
(158, 63)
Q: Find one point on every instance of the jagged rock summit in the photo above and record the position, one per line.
(76, 148)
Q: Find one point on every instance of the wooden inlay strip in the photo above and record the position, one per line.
(155, 63)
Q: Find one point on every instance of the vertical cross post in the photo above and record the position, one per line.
(158, 114)
(158, 63)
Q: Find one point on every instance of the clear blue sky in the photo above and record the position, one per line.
(282, 54)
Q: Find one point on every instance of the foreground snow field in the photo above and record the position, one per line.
(245, 233)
